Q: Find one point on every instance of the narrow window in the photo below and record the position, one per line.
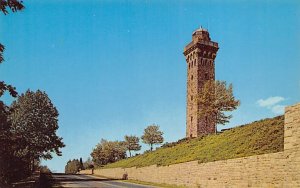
(192, 77)
(206, 76)
(191, 119)
(191, 97)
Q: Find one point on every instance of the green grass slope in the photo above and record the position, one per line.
(259, 137)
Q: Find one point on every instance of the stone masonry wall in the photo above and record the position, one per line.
(280, 169)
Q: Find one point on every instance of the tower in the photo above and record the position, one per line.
(200, 57)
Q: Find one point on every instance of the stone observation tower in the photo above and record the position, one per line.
(200, 57)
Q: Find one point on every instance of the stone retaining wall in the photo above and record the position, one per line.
(280, 169)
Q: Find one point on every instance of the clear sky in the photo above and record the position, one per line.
(113, 67)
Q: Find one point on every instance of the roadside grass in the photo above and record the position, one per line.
(142, 182)
(153, 184)
(259, 137)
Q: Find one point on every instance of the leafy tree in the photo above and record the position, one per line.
(13, 5)
(108, 152)
(132, 143)
(87, 163)
(44, 169)
(72, 167)
(11, 167)
(152, 135)
(215, 99)
(35, 119)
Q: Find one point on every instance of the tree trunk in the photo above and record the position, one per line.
(129, 153)
(32, 163)
(151, 148)
(216, 126)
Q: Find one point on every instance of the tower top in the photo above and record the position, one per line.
(200, 29)
(201, 40)
(201, 34)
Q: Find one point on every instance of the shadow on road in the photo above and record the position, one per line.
(45, 181)
(61, 179)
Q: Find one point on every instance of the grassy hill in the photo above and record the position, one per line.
(259, 137)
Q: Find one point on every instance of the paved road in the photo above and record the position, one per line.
(63, 180)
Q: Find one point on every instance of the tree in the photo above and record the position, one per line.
(35, 119)
(108, 152)
(72, 167)
(152, 135)
(44, 169)
(81, 164)
(87, 163)
(132, 143)
(215, 99)
(14, 6)
(11, 167)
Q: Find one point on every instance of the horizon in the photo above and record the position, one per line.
(113, 68)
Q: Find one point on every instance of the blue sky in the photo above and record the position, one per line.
(113, 67)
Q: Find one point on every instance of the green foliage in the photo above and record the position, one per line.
(5, 87)
(27, 133)
(11, 167)
(35, 119)
(13, 5)
(152, 184)
(44, 169)
(88, 163)
(108, 152)
(13, 164)
(132, 143)
(2, 48)
(259, 137)
(214, 99)
(152, 135)
(72, 167)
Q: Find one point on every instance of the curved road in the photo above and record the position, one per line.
(78, 180)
